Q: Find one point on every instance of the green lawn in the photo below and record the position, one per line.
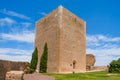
(87, 76)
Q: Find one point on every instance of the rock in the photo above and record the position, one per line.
(14, 75)
(90, 61)
(6, 66)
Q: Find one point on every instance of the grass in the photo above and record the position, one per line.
(87, 76)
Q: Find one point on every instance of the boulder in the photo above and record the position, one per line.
(14, 75)
(90, 61)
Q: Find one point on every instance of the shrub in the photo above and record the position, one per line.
(29, 71)
(114, 66)
(43, 60)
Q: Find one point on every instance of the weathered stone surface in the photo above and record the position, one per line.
(6, 66)
(99, 68)
(90, 61)
(65, 35)
(36, 76)
(2, 72)
(14, 75)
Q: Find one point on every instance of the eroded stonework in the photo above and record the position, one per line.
(65, 35)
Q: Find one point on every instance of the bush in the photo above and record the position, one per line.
(43, 60)
(114, 66)
(29, 71)
(34, 60)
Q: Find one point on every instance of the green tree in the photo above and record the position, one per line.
(34, 60)
(114, 66)
(43, 60)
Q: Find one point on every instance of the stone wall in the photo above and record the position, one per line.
(47, 31)
(72, 43)
(6, 66)
(99, 68)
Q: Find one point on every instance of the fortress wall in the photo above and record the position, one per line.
(47, 31)
(65, 35)
(72, 43)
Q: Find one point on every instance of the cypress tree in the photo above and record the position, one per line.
(34, 60)
(43, 60)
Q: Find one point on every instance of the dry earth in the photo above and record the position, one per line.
(36, 76)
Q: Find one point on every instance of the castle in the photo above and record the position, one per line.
(65, 35)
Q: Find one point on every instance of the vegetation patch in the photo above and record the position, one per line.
(86, 76)
(33, 63)
(114, 66)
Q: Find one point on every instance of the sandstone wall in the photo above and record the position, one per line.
(47, 31)
(6, 66)
(99, 68)
(65, 35)
(72, 43)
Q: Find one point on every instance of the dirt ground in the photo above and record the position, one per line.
(37, 76)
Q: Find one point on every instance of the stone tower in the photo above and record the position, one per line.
(65, 35)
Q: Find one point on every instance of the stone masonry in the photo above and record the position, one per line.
(65, 35)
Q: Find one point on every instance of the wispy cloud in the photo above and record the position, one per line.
(101, 40)
(15, 54)
(104, 47)
(15, 14)
(43, 13)
(100, 37)
(15, 51)
(105, 56)
(26, 36)
(15, 58)
(6, 21)
(26, 24)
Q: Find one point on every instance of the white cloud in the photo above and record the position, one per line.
(6, 21)
(105, 56)
(15, 58)
(100, 37)
(26, 36)
(15, 54)
(14, 51)
(104, 47)
(12, 13)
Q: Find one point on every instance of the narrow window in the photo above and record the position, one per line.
(74, 64)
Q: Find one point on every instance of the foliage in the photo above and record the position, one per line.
(114, 66)
(34, 60)
(43, 60)
(29, 71)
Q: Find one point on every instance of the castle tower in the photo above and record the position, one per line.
(65, 35)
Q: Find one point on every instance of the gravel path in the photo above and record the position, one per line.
(37, 76)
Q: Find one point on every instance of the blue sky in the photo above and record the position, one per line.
(17, 26)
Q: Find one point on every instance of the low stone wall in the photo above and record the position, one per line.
(99, 68)
(6, 66)
(2, 72)
(14, 75)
